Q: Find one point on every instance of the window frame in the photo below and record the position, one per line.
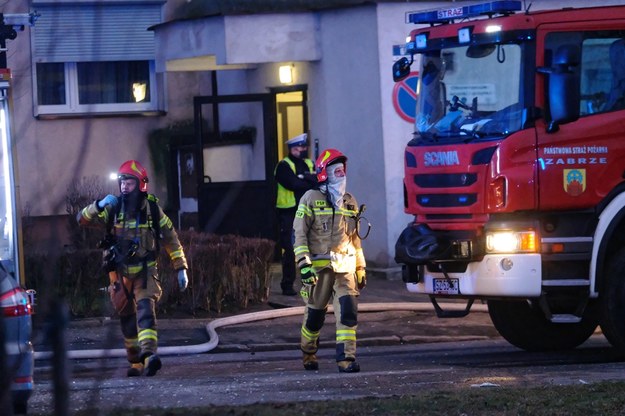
(577, 37)
(73, 107)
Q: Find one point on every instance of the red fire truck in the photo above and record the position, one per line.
(515, 173)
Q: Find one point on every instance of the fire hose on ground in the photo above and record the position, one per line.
(212, 326)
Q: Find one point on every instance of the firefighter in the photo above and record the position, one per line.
(331, 262)
(136, 226)
(294, 176)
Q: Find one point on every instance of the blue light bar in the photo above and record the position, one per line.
(448, 14)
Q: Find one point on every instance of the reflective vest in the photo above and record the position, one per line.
(286, 197)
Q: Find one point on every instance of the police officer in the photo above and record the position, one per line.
(294, 176)
(331, 262)
(136, 226)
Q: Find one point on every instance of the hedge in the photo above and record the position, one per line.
(225, 272)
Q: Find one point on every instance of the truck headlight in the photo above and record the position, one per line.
(511, 242)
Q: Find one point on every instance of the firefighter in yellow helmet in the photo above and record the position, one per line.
(331, 262)
(136, 227)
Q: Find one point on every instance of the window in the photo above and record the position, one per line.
(95, 87)
(601, 70)
(602, 75)
(95, 58)
(51, 84)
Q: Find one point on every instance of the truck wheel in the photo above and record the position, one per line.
(523, 324)
(612, 300)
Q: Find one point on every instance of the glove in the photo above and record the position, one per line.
(108, 200)
(361, 278)
(183, 280)
(309, 277)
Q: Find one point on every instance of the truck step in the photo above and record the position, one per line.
(566, 282)
(565, 318)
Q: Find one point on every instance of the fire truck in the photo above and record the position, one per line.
(515, 173)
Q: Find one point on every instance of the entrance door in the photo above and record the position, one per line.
(235, 136)
(292, 115)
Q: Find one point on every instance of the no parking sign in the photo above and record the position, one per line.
(405, 97)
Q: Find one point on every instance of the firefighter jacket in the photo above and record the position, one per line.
(290, 186)
(326, 236)
(135, 242)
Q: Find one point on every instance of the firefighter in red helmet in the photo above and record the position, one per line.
(136, 227)
(332, 265)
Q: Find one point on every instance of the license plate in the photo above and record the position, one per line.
(446, 286)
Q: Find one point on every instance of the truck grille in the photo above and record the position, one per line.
(447, 180)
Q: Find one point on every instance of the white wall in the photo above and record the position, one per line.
(271, 38)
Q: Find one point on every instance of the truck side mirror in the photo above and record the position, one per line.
(563, 93)
(401, 69)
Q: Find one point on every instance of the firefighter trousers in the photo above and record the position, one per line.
(134, 303)
(342, 289)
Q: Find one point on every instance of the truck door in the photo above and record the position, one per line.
(581, 161)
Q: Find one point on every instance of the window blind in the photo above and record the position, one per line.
(95, 32)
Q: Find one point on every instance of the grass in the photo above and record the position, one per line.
(605, 398)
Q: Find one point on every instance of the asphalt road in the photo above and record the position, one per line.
(240, 378)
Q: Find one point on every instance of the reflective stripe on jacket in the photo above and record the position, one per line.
(142, 233)
(319, 229)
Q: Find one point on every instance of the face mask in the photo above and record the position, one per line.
(336, 185)
(302, 154)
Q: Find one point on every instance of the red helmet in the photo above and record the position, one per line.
(134, 169)
(326, 158)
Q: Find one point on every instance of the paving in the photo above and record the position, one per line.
(389, 315)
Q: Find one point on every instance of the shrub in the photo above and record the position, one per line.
(224, 272)
(82, 282)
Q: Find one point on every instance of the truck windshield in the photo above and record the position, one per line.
(469, 93)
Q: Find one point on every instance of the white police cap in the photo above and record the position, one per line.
(300, 140)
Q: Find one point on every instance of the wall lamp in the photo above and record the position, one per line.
(285, 74)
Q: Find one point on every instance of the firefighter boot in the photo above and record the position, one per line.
(135, 370)
(310, 362)
(348, 366)
(152, 364)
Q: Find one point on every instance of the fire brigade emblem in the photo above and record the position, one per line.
(574, 181)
